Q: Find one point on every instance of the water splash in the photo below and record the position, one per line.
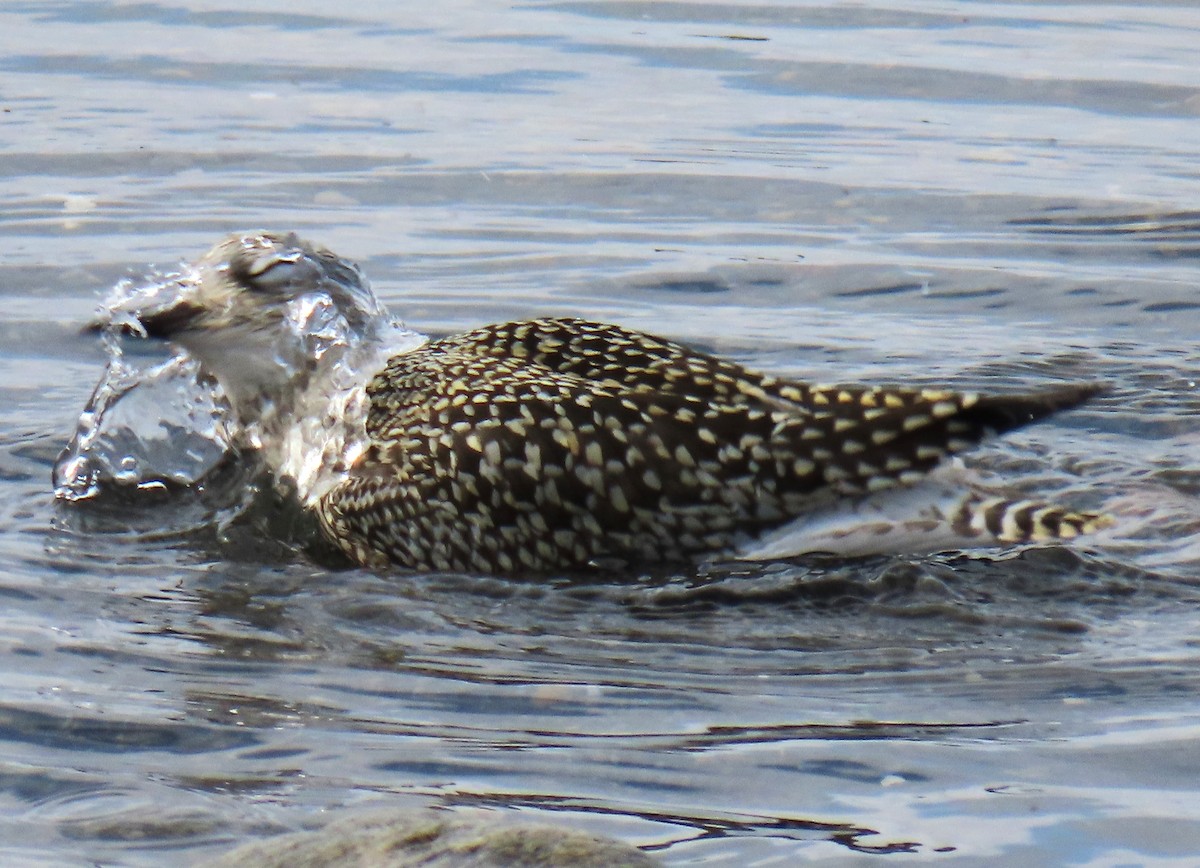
(146, 427)
(149, 423)
(158, 424)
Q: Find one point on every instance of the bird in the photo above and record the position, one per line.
(558, 444)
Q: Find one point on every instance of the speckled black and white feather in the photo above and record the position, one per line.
(552, 443)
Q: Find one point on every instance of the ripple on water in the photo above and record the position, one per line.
(830, 191)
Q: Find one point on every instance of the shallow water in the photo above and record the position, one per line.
(985, 195)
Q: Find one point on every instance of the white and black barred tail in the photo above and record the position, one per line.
(944, 512)
(1017, 521)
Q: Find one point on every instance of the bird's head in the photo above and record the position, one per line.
(258, 311)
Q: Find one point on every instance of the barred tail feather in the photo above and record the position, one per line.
(1017, 521)
(945, 512)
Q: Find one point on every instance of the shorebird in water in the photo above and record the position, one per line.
(557, 443)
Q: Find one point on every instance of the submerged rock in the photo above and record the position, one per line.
(400, 839)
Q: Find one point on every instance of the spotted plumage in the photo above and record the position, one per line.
(552, 444)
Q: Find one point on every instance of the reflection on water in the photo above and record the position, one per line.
(986, 196)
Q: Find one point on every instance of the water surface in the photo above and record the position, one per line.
(979, 194)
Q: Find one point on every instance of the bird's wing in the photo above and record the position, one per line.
(633, 361)
(611, 354)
